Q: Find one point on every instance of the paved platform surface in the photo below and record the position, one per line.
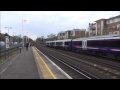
(21, 66)
(31, 64)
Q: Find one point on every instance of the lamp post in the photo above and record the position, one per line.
(0, 30)
(0, 22)
(23, 32)
(13, 38)
(8, 29)
(26, 37)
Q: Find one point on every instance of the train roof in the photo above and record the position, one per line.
(98, 37)
(79, 39)
(59, 40)
(105, 36)
(90, 38)
(63, 40)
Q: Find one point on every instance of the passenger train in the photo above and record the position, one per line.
(99, 45)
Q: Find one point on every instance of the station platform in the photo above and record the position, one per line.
(31, 64)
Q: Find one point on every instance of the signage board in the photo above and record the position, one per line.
(7, 41)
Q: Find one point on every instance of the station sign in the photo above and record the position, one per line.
(7, 41)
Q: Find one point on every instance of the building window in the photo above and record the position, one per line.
(110, 21)
(110, 33)
(118, 26)
(107, 22)
(114, 28)
(116, 32)
(113, 20)
(117, 20)
(98, 25)
(71, 33)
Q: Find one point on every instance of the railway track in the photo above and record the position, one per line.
(97, 60)
(73, 71)
(76, 60)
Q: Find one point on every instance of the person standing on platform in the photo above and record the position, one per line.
(20, 47)
(27, 44)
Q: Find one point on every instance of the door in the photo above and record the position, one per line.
(84, 44)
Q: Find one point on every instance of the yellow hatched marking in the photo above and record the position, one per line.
(46, 72)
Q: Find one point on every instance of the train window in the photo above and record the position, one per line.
(94, 43)
(98, 43)
(58, 43)
(105, 43)
(66, 43)
(102, 44)
(78, 43)
(91, 43)
(88, 43)
(111, 43)
(115, 43)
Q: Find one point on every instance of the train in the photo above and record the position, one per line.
(98, 45)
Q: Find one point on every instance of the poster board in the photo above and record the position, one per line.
(7, 41)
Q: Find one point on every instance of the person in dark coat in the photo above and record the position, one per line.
(27, 44)
(20, 47)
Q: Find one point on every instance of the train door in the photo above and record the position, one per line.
(71, 44)
(55, 44)
(84, 44)
(63, 44)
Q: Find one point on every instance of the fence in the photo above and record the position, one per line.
(4, 54)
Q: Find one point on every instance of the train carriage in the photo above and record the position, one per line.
(99, 45)
(105, 45)
(59, 44)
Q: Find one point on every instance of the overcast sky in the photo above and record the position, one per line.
(43, 23)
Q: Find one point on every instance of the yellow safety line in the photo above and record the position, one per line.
(47, 68)
(38, 59)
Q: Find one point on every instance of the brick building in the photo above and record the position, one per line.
(105, 26)
(92, 29)
(61, 35)
(75, 33)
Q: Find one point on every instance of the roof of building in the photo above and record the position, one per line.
(108, 18)
(100, 19)
(114, 17)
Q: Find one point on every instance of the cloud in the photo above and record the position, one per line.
(43, 23)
